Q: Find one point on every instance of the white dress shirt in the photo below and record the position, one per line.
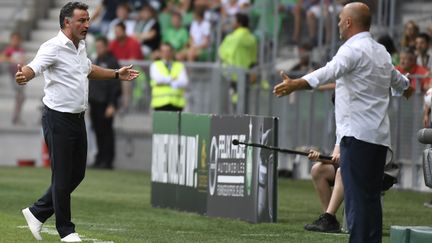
(180, 82)
(364, 75)
(65, 69)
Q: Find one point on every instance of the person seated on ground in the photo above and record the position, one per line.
(147, 30)
(122, 16)
(325, 175)
(408, 65)
(199, 38)
(424, 55)
(410, 33)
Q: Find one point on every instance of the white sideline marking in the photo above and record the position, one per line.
(272, 235)
(51, 230)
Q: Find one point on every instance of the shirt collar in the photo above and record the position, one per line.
(66, 41)
(361, 35)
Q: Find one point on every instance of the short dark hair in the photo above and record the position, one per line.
(408, 50)
(167, 44)
(15, 33)
(68, 9)
(242, 19)
(121, 25)
(102, 39)
(424, 36)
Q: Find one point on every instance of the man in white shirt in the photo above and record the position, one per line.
(66, 68)
(364, 75)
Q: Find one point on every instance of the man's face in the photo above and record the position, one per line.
(343, 25)
(176, 21)
(119, 32)
(166, 52)
(15, 41)
(407, 60)
(79, 24)
(421, 45)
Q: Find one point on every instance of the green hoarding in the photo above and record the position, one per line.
(196, 168)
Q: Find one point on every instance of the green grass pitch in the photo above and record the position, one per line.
(114, 206)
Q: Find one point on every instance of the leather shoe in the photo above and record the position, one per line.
(33, 223)
(72, 237)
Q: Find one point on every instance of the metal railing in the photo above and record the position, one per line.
(306, 117)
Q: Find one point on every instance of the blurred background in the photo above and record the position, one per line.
(296, 36)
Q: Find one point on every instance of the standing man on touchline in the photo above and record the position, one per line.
(364, 74)
(66, 68)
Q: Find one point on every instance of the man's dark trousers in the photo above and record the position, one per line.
(362, 168)
(65, 135)
(104, 131)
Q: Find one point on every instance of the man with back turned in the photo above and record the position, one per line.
(67, 70)
(364, 75)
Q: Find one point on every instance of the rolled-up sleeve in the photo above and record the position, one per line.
(399, 83)
(341, 63)
(45, 57)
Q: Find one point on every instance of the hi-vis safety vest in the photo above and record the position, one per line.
(164, 94)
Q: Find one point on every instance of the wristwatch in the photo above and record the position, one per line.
(117, 75)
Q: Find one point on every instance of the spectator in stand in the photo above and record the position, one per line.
(238, 49)
(103, 101)
(229, 8)
(408, 65)
(424, 56)
(147, 30)
(177, 36)
(14, 54)
(122, 15)
(305, 64)
(315, 12)
(411, 30)
(125, 47)
(108, 10)
(199, 38)
(389, 45)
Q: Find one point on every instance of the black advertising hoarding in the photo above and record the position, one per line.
(196, 168)
(241, 177)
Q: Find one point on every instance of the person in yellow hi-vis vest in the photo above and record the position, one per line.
(168, 81)
(239, 50)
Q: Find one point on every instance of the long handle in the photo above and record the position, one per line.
(282, 150)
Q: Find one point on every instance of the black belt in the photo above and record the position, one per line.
(76, 115)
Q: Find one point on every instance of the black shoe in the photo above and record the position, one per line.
(325, 223)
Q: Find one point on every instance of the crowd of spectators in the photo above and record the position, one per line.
(187, 25)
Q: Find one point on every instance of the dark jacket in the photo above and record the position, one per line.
(105, 91)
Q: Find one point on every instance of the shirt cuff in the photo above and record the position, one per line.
(312, 80)
(34, 68)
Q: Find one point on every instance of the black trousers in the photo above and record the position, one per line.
(104, 131)
(362, 169)
(65, 135)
